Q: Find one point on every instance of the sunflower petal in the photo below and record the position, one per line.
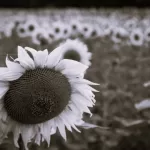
(70, 118)
(27, 133)
(16, 132)
(6, 75)
(70, 65)
(68, 126)
(83, 81)
(45, 132)
(13, 66)
(24, 59)
(4, 86)
(61, 127)
(38, 139)
(54, 57)
(85, 125)
(31, 50)
(40, 58)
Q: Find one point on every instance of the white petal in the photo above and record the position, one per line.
(4, 86)
(83, 81)
(40, 58)
(31, 50)
(45, 132)
(14, 67)
(27, 134)
(54, 57)
(145, 104)
(22, 53)
(3, 69)
(68, 126)
(81, 100)
(24, 59)
(53, 130)
(85, 125)
(16, 133)
(85, 92)
(147, 84)
(1, 105)
(74, 108)
(4, 115)
(83, 108)
(90, 88)
(83, 86)
(4, 130)
(38, 139)
(71, 67)
(52, 126)
(70, 118)
(6, 75)
(61, 127)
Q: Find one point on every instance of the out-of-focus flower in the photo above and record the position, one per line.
(50, 35)
(22, 31)
(67, 32)
(131, 24)
(119, 34)
(76, 50)
(41, 92)
(40, 36)
(109, 30)
(9, 28)
(137, 37)
(75, 26)
(86, 30)
(31, 25)
(147, 35)
(147, 84)
(59, 30)
(27, 28)
(145, 104)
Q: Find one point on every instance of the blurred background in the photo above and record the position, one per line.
(117, 33)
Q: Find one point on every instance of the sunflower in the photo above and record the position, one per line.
(75, 26)
(147, 35)
(41, 92)
(86, 31)
(22, 31)
(137, 37)
(119, 34)
(76, 50)
(31, 25)
(60, 30)
(39, 36)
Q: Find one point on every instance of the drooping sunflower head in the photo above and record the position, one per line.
(40, 92)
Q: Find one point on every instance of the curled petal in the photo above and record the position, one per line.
(13, 66)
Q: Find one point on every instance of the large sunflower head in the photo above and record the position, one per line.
(40, 92)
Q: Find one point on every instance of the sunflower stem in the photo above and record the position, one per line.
(20, 143)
